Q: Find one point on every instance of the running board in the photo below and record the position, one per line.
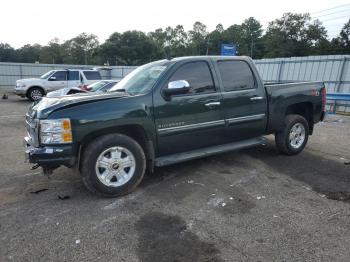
(208, 151)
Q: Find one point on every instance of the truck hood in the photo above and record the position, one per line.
(65, 91)
(47, 105)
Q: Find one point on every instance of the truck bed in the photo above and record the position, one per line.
(299, 95)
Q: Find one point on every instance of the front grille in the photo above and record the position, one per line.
(32, 130)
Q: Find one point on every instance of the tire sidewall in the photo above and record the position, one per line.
(92, 152)
(291, 121)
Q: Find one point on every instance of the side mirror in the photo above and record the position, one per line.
(177, 87)
(52, 78)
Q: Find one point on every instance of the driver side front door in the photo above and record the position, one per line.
(193, 120)
(57, 81)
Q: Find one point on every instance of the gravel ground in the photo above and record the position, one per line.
(250, 205)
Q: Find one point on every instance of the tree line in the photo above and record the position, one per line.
(291, 35)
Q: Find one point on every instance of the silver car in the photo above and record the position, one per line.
(100, 86)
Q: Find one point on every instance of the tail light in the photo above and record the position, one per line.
(324, 98)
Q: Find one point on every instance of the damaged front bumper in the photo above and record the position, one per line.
(49, 156)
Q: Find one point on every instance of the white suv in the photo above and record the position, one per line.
(35, 88)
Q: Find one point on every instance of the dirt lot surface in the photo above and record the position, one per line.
(250, 205)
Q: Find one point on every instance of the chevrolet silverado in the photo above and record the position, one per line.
(167, 112)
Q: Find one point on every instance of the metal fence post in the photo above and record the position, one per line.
(339, 80)
(280, 71)
(20, 72)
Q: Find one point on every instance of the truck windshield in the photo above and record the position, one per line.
(46, 75)
(142, 79)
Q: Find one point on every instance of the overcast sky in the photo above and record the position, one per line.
(39, 21)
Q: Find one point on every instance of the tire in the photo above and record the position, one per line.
(103, 166)
(293, 138)
(35, 93)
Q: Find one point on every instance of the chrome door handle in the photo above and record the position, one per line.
(213, 104)
(256, 98)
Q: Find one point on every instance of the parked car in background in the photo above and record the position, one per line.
(168, 112)
(35, 88)
(100, 86)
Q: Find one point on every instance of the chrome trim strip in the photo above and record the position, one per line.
(245, 118)
(192, 126)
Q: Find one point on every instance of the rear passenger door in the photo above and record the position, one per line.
(244, 100)
(192, 120)
(73, 78)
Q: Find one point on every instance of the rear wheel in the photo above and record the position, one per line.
(113, 165)
(293, 138)
(35, 93)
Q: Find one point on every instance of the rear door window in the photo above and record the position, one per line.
(198, 75)
(73, 75)
(92, 75)
(236, 75)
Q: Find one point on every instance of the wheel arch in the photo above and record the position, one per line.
(134, 131)
(305, 109)
(35, 86)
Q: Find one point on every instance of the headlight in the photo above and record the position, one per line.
(55, 131)
(20, 85)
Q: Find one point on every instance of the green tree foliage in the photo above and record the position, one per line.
(29, 53)
(7, 53)
(341, 43)
(81, 49)
(159, 37)
(251, 38)
(176, 41)
(52, 53)
(291, 35)
(198, 39)
(214, 40)
(129, 48)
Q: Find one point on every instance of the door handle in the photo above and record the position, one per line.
(212, 104)
(256, 98)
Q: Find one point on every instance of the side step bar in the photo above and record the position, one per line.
(203, 152)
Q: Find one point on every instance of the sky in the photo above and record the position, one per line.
(39, 21)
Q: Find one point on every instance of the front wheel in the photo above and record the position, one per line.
(293, 138)
(35, 93)
(113, 165)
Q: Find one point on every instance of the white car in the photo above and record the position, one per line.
(35, 88)
(100, 86)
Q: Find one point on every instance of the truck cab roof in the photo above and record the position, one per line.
(215, 57)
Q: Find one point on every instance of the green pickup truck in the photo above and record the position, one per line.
(167, 112)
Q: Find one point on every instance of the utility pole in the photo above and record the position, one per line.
(208, 42)
(251, 45)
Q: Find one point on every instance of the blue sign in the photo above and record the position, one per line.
(228, 50)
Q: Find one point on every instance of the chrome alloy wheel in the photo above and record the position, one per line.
(115, 166)
(36, 94)
(297, 135)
